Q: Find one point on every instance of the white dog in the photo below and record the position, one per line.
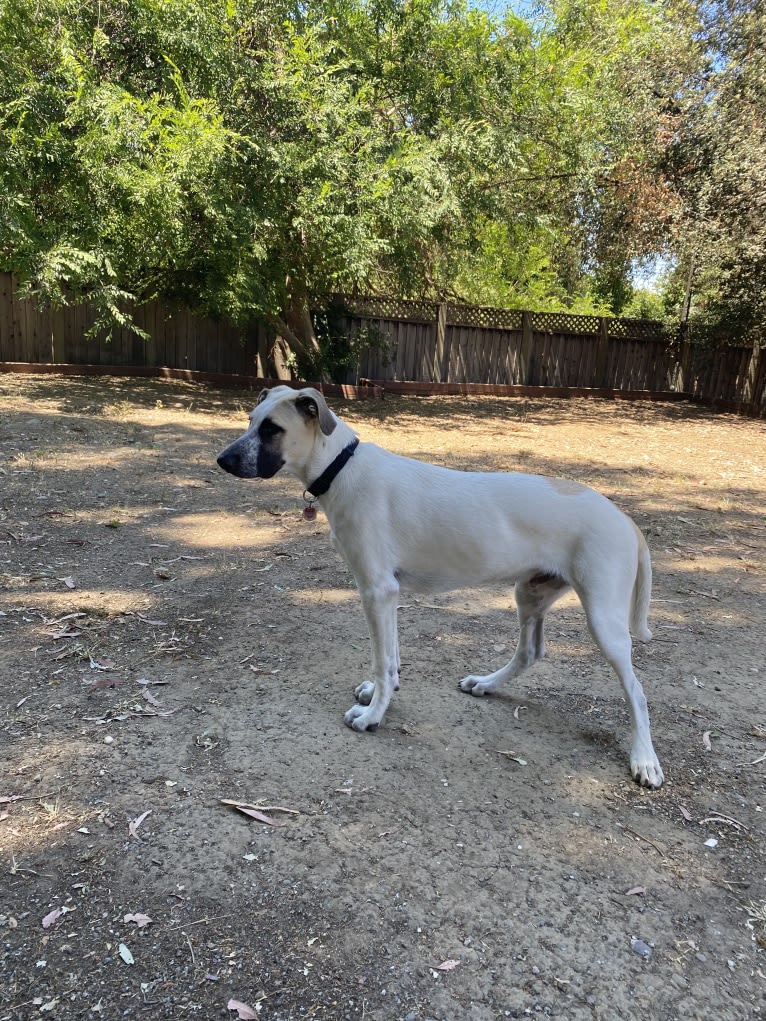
(402, 524)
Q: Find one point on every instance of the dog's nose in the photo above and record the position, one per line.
(226, 461)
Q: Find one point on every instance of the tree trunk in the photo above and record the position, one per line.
(687, 302)
(296, 350)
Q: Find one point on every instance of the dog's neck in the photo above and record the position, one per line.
(329, 456)
(321, 484)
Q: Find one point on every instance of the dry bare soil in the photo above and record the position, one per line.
(172, 638)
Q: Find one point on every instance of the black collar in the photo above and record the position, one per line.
(320, 486)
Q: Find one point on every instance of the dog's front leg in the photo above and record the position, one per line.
(363, 692)
(379, 603)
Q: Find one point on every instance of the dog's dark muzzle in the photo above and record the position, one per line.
(241, 460)
(231, 461)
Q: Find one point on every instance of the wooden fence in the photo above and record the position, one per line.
(450, 343)
(177, 338)
(414, 342)
(469, 344)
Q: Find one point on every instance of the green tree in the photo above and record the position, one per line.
(250, 156)
(718, 163)
(111, 170)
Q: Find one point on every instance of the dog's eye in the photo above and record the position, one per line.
(267, 429)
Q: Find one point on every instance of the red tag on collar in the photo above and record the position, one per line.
(310, 512)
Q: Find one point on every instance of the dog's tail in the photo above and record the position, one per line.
(642, 591)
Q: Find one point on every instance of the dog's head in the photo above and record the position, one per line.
(284, 427)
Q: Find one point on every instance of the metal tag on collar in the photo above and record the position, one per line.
(309, 511)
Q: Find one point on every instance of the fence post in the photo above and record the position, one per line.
(749, 390)
(525, 351)
(440, 363)
(602, 353)
(685, 359)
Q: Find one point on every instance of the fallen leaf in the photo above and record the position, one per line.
(257, 811)
(260, 670)
(244, 1012)
(150, 698)
(67, 616)
(258, 816)
(514, 758)
(125, 954)
(139, 919)
(135, 823)
(447, 965)
(68, 581)
(635, 891)
(685, 813)
(107, 682)
(706, 741)
(108, 664)
(723, 820)
(51, 917)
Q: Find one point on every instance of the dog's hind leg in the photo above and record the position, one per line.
(379, 603)
(533, 600)
(608, 616)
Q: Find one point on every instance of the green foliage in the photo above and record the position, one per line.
(645, 304)
(110, 176)
(247, 157)
(718, 162)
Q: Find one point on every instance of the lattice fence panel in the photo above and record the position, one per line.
(636, 329)
(384, 307)
(485, 318)
(564, 322)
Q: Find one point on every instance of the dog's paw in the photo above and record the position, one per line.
(474, 685)
(360, 718)
(363, 692)
(647, 771)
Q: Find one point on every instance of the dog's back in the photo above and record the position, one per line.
(448, 529)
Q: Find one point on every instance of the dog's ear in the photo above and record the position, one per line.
(262, 396)
(311, 404)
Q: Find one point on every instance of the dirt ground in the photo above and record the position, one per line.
(172, 638)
